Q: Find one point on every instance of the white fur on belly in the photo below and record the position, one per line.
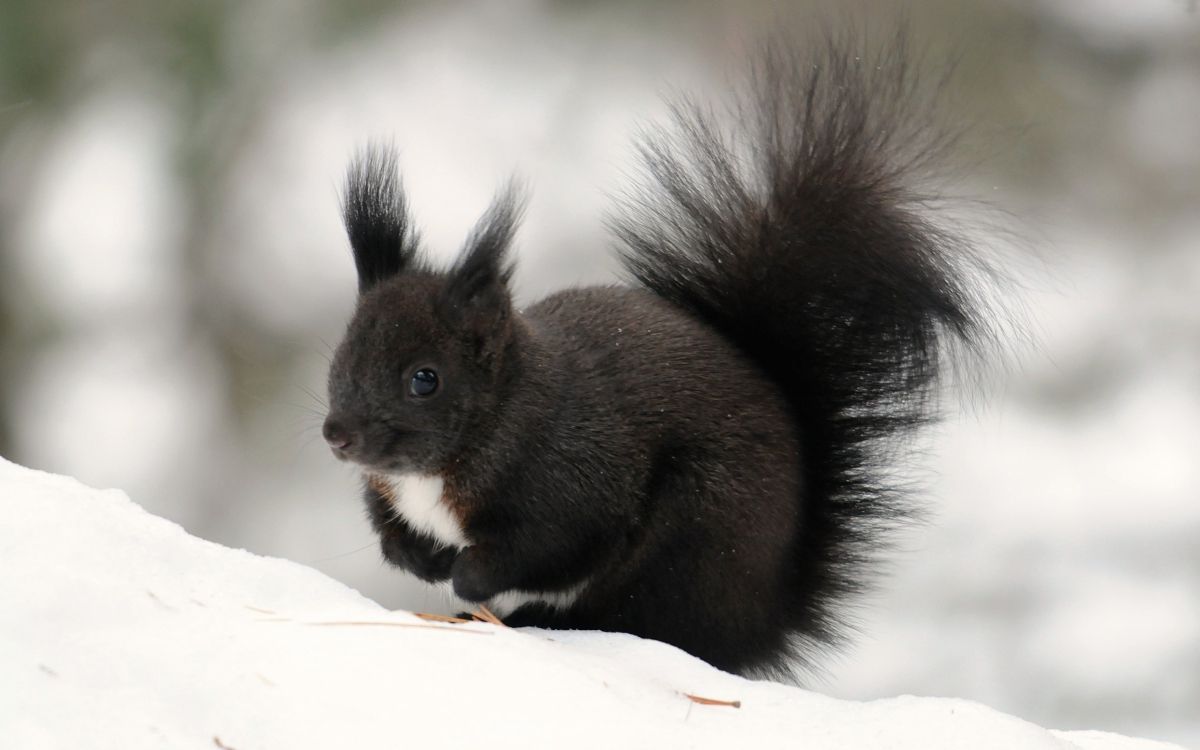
(418, 500)
(507, 602)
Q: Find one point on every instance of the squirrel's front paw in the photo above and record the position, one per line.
(474, 580)
(423, 558)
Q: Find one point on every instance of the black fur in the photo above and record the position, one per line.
(699, 457)
(376, 216)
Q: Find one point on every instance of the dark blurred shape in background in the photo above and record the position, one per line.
(172, 270)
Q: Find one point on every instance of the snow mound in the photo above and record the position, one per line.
(119, 630)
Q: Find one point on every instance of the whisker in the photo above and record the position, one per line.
(315, 397)
(368, 545)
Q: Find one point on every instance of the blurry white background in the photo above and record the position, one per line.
(173, 275)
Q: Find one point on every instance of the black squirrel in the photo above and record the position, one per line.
(700, 456)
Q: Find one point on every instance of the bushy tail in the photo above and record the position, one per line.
(802, 234)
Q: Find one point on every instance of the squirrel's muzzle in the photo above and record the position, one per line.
(340, 438)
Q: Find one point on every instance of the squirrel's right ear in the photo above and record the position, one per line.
(479, 279)
(375, 213)
(476, 297)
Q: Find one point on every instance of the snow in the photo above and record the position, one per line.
(120, 630)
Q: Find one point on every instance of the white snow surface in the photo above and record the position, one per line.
(119, 630)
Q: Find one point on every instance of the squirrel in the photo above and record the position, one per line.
(701, 455)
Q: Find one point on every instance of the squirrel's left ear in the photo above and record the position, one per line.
(476, 294)
(375, 213)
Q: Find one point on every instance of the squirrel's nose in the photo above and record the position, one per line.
(336, 434)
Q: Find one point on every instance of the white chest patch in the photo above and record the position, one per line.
(418, 500)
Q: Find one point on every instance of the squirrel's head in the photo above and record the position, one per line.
(427, 353)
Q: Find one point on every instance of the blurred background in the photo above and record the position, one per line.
(173, 276)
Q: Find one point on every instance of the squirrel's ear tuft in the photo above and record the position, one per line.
(375, 213)
(479, 280)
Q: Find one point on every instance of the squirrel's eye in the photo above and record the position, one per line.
(424, 382)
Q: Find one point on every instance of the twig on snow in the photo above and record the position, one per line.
(711, 701)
